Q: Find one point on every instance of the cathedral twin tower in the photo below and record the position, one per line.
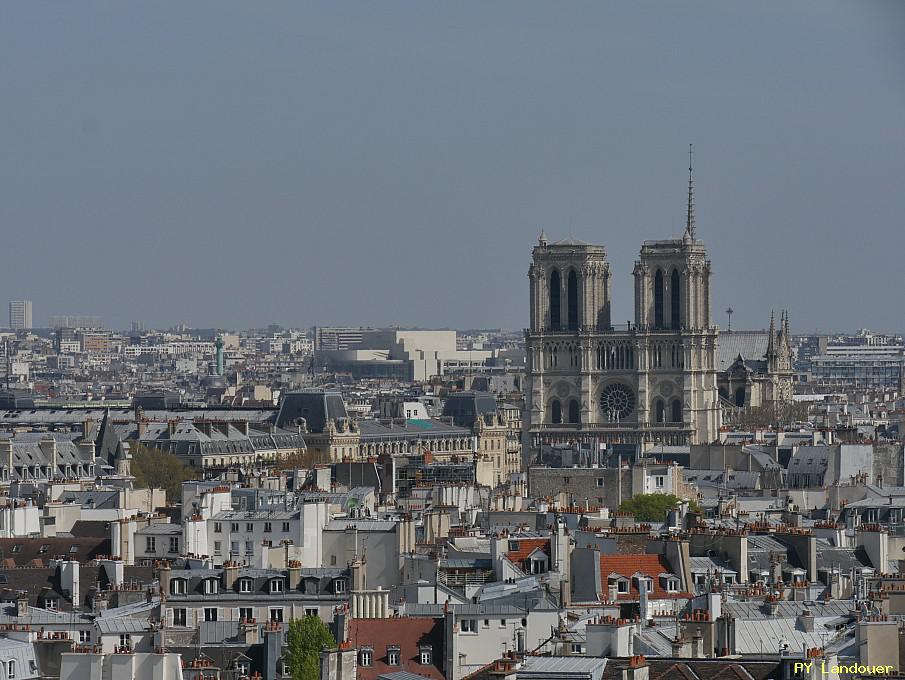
(651, 381)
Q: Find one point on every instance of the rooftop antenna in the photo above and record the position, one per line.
(689, 219)
(729, 312)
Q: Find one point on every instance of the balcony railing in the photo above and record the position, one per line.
(578, 427)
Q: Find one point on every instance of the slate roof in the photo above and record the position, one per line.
(193, 438)
(315, 406)
(750, 344)
(765, 635)
(751, 610)
(699, 669)
(122, 624)
(656, 641)
(20, 552)
(100, 499)
(465, 407)
(709, 564)
(561, 666)
(374, 431)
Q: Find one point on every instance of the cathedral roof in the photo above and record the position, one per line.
(751, 345)
(570, 242)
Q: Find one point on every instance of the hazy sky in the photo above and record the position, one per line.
(235, 164)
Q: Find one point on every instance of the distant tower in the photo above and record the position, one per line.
(220, 363)
(20, 317)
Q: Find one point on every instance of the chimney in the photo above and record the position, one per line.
(230, 574)
(249, 632)
(68, 574)
(637, 669)
(607, 636)
(295, 574)
(273, 647)
(48, 447)
(164, 574)
(359, 569)
(806, 621)
(681, 648)
(6, 455)
(697, 646)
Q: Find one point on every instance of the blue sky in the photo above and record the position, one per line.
(236, 164)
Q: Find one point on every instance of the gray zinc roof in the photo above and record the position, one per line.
(750, 344)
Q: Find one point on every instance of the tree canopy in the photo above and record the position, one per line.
(652, 507)
(306, 638)
(155, 469)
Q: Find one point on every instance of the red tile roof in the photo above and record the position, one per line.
(628, 565)
(408, 633)
(526, 546)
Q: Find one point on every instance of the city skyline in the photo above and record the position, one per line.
(415, 200)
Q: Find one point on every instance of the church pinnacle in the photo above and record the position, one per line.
(689, 219)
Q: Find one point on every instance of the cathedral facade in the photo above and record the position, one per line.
(593, 382)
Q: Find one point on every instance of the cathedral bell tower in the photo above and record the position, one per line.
(570, 286)
(591, 382)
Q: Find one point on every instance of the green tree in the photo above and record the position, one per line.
(652, 507)
(306, 638)
(774, 414)
(155, 469)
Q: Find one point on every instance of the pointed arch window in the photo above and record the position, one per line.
(555, 293)
(556, 412)
(675, 300)
(572, 300)
(659, 411)
(658, 299)
(574, 416)
(676, 415)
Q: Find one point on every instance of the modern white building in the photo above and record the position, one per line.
(414, 355)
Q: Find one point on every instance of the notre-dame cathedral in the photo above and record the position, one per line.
(590, 381)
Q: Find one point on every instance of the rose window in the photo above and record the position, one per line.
(617, 401)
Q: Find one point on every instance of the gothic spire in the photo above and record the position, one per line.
(771, 348)
(689, 219)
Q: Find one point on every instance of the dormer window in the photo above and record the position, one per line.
(394, 658)
(621, 586)
(365, 656)
(177, 586)
(425, 655)
(276, 585)
(246, 585)
(339, 586)
(211, 586)
(670, 583)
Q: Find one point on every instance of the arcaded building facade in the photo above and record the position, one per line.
(591, 381)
